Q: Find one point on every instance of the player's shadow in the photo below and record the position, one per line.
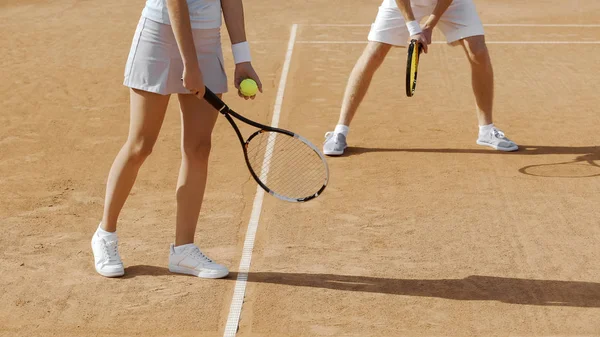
(588, 156)
(145, 270)
(523, 150)
(472, 288)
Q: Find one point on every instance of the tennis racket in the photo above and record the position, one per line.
(412, 64)
(284, 164)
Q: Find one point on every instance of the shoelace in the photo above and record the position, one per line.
(497, 133)
(111, 252)
(196, 253)
(330, 135)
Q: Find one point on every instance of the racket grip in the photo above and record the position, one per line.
(214, 100)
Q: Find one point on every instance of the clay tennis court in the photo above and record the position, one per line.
(420, 232)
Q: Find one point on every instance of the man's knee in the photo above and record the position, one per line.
(476, 50)
(375, 53)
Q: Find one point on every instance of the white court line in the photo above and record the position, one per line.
(240, 284)
(444, 42)
(485, 25)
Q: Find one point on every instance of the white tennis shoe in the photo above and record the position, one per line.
(188, 259)
(106, 256)
(496, 139)
(335, 144)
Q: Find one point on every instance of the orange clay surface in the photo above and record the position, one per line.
(421, 232)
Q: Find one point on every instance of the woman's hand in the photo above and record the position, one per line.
(243, 71)
(192, 80)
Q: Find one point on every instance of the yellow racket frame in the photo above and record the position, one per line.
(412, 64)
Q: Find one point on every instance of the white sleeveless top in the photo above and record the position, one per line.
(204, 14)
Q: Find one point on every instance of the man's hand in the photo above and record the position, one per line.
(427, 32)
(421, 38)
(243, 71)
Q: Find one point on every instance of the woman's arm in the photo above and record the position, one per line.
(179, 16)
(233, 13)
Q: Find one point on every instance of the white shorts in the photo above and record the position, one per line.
(458, 22)
(155, 65)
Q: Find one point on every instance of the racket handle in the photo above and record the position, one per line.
(215, 101)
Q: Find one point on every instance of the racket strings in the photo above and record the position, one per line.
(296, 154)
(281, 180)
(288, 183)
(286, 165)
(285, 184)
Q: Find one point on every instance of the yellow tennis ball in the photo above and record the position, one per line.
(248, 87)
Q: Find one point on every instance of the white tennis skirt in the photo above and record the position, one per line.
(155, 65)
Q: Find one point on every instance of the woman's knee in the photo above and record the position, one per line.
(140, 149)
(198, 151)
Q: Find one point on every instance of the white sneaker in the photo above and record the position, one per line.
(496, 139)
(335, 144)
(106, 256)
(190, 260)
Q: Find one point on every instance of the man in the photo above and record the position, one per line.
(397, 23)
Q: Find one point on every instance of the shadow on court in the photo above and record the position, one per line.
(523, 150)
(145, 270)
(472, 288)
(583, 166)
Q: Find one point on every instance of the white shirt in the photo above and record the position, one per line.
(204, 14)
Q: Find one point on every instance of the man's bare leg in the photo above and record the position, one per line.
(356, 89)
(482, 80)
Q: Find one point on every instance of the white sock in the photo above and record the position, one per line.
(343, 129)
(104, 234)
(483, 129)
(180, 249)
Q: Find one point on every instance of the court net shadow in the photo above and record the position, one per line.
(472, 288)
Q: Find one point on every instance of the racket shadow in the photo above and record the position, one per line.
(471, 288)
(581, 167)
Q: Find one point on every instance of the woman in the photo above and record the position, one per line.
(176, 50)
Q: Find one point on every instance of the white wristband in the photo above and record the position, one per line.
(413, 27)
(241, 52)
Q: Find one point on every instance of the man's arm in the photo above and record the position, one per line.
(404, 6)
(434, 18)
(438, 11)
(414, 29)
